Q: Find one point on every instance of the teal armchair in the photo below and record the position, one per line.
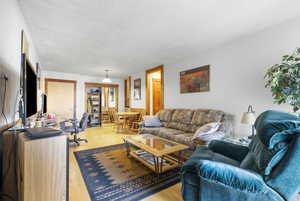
(266, 170)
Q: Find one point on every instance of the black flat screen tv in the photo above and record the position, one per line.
(44, 103)
(29, 88)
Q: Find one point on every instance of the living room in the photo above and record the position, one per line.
(154, 100)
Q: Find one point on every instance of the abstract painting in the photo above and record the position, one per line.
(195, 80)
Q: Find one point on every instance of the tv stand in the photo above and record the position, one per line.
(38, 167)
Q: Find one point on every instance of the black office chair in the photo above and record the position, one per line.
(76, 128)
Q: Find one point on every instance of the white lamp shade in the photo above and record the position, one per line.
(248, 118)
(106, 80)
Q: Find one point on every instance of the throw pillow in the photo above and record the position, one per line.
(206, 130)
(151, 121)
(211, 136)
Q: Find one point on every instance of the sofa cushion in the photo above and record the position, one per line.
(207, 129)
(258, 156)
(184, 138)
(179, 126)
(204, 153)
(153, 131)
(274, 133)
(151, 121)
(202, 117)
(165, 115)
(167, 132)
(182, 116)
(271, 122)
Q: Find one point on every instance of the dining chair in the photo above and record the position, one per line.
(135, 123)
(111, 115)
(118, 122)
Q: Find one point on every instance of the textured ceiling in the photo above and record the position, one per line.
(126, 36)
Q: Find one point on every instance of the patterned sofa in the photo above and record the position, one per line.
(180, 124)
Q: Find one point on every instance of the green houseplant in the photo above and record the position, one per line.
(284, 80)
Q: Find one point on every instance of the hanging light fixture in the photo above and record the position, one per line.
(106, 79)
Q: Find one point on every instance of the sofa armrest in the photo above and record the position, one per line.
(232, 176)
(233, 151)
(142, 124)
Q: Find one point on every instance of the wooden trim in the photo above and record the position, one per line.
(117, 99)
(139, 110)
(95, 84)
(127, 92)
(65, 81)
(160, 69)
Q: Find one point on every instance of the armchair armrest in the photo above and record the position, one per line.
(233, 151)
(228, 175)
(74, 123)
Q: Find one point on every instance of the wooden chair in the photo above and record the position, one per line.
(105, 116)
(135, 124)
(112, 115)
(118, 122)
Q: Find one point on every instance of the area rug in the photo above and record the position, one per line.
(111, 176)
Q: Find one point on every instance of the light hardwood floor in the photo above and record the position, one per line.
(99, 137)
(105, 136)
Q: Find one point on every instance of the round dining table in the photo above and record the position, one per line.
(127, 116)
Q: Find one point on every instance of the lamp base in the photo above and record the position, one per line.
(253, 133)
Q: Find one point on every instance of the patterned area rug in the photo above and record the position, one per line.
(110, 175)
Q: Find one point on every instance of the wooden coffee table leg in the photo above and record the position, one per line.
(157, 167)
(180, 158)
(155, 163)
(161, 164)
(127, 145)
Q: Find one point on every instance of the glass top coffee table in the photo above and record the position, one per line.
(156, 153)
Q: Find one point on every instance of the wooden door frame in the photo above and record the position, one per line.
(95, 84)
(153, 99)
(127, 88)
(64, 81)
(160, 69)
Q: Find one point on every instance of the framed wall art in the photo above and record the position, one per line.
(137, 89)
(195, 80)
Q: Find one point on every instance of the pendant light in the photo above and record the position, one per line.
(106, 79)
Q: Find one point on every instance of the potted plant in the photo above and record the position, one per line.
(284, 80)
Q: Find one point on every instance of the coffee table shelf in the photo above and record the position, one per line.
(155, 152)
(172, 163)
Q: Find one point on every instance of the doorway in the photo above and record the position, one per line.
(102, 102)
(61, 97)
(154, 90)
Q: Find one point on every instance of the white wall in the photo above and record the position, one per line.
(237, 73)
(11, 24)
(81, 79)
